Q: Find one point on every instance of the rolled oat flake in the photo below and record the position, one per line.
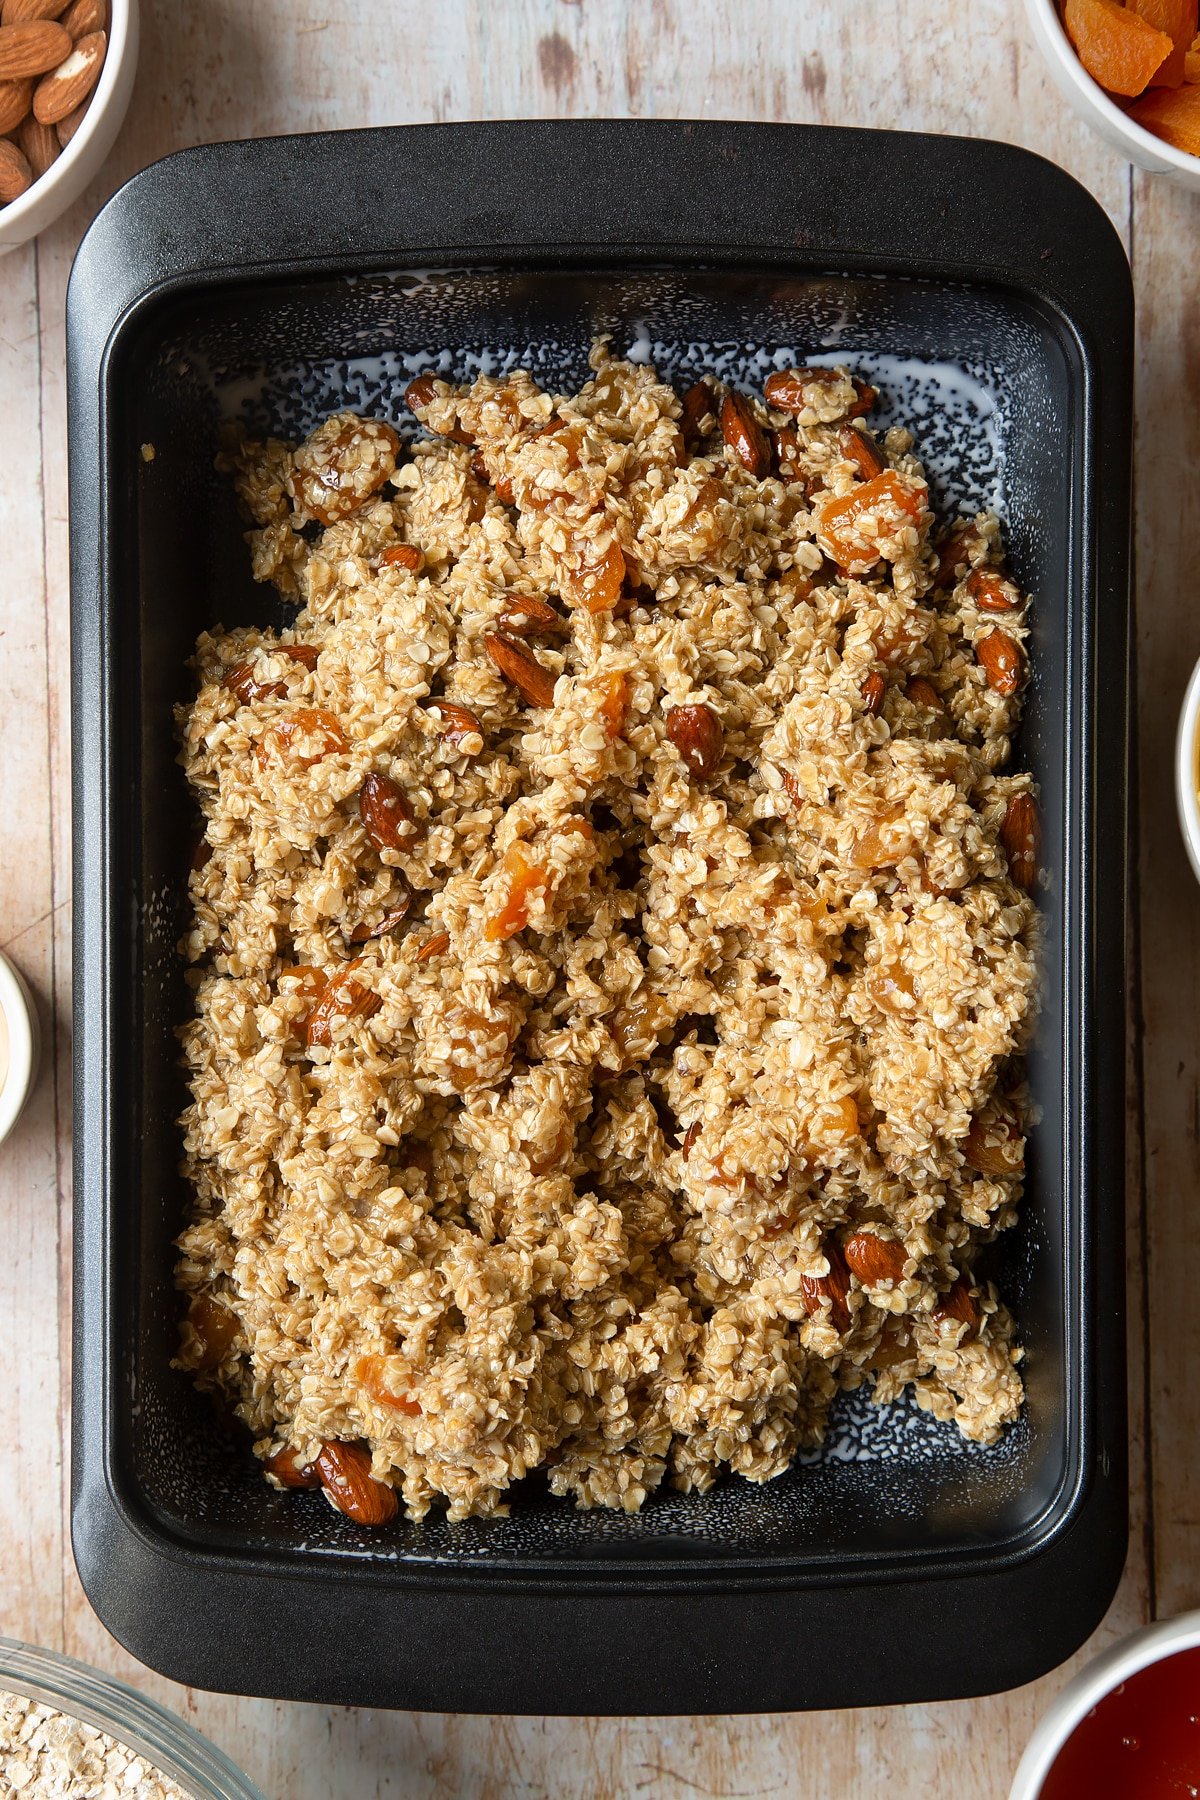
(47, 1753)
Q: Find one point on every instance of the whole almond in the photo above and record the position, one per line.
(31, 49)
(387, 817)
(289, 1472)
(744, 435)
(698, 404)
(459, 724)
(858, 449)
(697, 734)
(345, 1471)
(958, 1303)
(15, 100)
(84, 16)
(70, 83)
(521, 667)
(875, 1259)
(1021, 836)
(991, 592)
(40, 144)
(873, 690)
(15, 173)
(530, 617)
(66, 128)
(1002, 660)
(834, 1287)
(20, 12)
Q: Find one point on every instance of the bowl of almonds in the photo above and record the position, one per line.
(66, 73)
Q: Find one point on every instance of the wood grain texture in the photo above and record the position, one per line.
(227, 70)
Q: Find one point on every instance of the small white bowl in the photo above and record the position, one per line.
(1093, 104)
(1187, 767)
(70, 173)
(1153, 1644)
(18, 1063)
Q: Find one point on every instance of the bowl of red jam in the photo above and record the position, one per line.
(1127, 1727)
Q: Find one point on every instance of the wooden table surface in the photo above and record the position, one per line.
(224, 70)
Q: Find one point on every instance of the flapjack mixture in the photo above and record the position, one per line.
(613, 944)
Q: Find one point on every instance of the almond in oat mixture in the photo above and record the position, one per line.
(613, 945)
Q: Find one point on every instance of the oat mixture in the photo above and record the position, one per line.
(613, 945)
(47, 1754)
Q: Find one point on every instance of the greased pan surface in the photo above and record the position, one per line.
(275, 280)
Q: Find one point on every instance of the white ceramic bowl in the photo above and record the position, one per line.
(1186, 769)
(1093, 104)
(67, 177)
(19, 1062)
(1106, 1672)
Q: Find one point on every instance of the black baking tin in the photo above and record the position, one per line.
(909, 1566)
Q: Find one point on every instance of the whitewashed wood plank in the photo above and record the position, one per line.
(30, 1443)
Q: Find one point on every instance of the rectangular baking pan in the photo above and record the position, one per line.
(275, 280)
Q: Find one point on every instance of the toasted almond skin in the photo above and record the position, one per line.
(70, 83)
(15, 172)
(874, 1259)
(457, 722)
(699, 737)
(40, 144)
(1021, 836)
(288, 1472)
(1002, 661)
(387, 817)
(991, 592)
(744, 435)
(84, 16)
(988, 1157)
(923, 693)
(20, 12)
(530, 617)
(401, 556)
(66, 128)
(699, 403)
(874, 688)
(31, 49)
(518, 665)
(957, 1303)
(834, 1287)
(857, 448)
(345, 1471)
(16, 97)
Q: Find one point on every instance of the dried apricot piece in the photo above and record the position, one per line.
(1116, 47)
(526, 877)
(307, 726)
(596, 584)
(375, 1374)
(216, 1327)
(887, 498)
(1178, 19)
(1172, 114)
(614, 703)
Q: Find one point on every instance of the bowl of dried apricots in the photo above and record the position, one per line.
(1131, 68)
